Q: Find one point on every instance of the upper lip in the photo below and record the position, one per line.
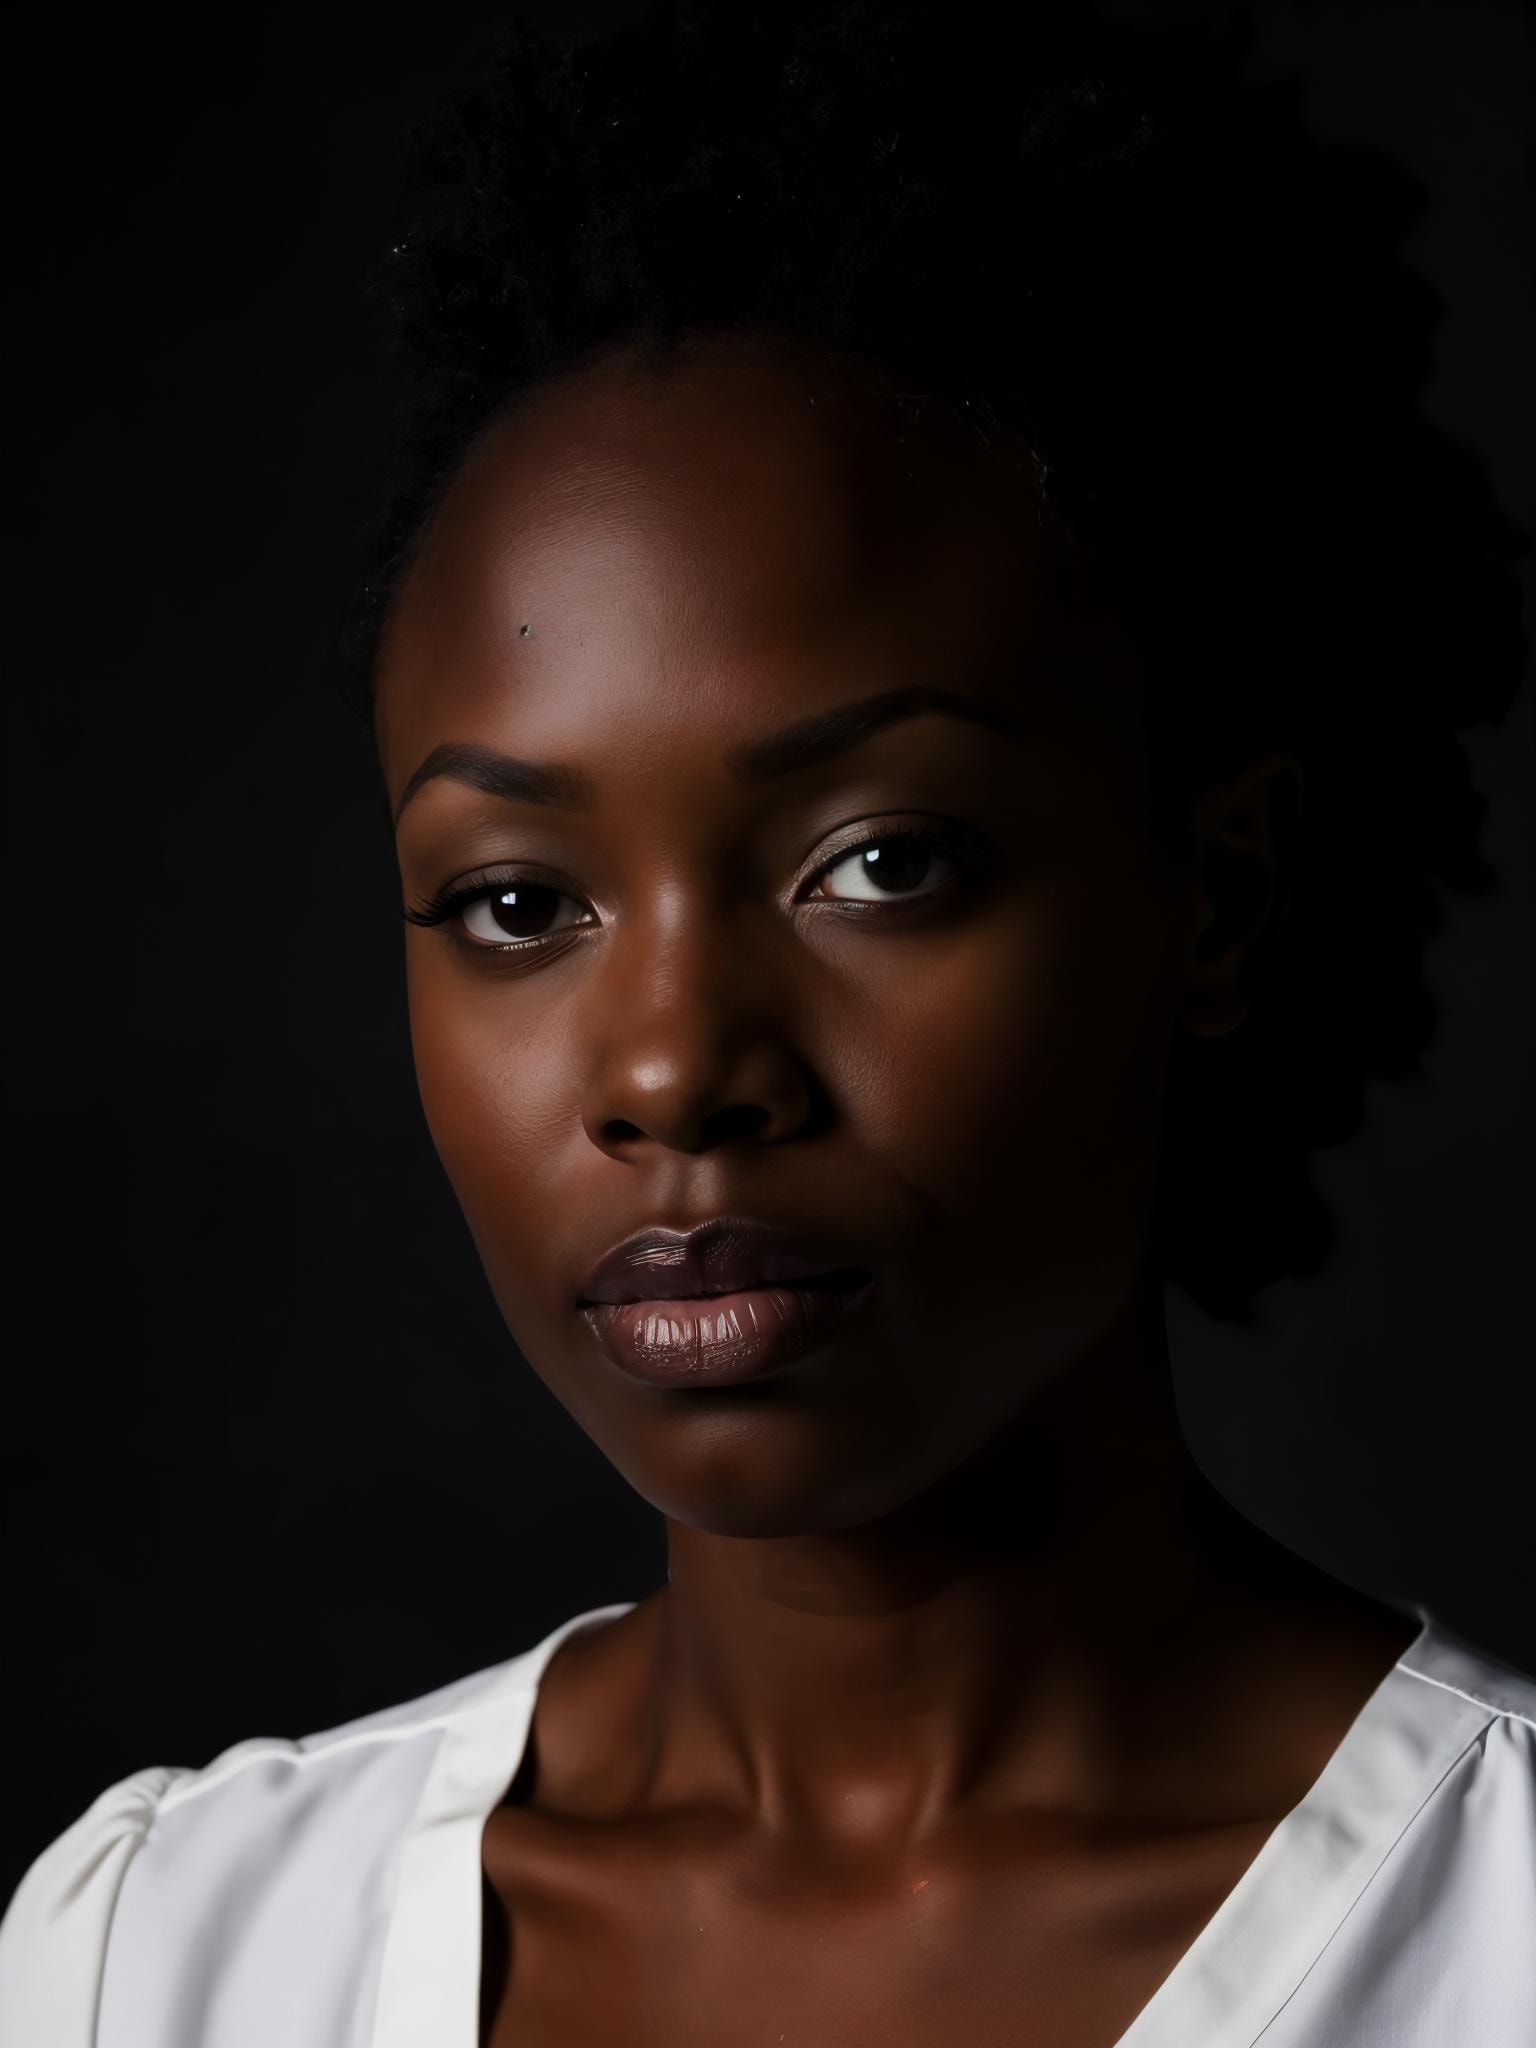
(660, 1263)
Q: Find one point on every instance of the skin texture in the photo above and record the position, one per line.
(967, 1700)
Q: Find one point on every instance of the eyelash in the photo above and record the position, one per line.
(946, 839)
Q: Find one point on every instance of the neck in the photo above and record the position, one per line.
(999, 1637)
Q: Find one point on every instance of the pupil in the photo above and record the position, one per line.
(516, 909)
(902, 869)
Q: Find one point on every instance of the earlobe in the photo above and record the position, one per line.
(1244, 841)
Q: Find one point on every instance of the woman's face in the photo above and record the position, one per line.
(955, 1075)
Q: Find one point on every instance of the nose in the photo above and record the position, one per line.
(692, 1043)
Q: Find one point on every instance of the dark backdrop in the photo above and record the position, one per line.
(272, 1460)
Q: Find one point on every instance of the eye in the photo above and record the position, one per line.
(887, 866)
(516, 910)
(513, 911)
(511, 914)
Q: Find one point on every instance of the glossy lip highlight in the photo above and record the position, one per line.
(724, 1339)
(727, 1255)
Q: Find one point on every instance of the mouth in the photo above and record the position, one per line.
(844, 1280)
(721, 1339)
(729, 1299)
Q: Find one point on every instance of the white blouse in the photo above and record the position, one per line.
(325, 1893)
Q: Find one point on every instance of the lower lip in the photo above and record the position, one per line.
(724, 1339)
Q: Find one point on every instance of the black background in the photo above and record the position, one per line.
(272, 1460)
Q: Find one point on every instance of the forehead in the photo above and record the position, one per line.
(756, 535)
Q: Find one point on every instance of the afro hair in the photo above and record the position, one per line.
(1114, 244)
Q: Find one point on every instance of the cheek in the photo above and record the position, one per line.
(499, 1097)
(1017, 1080)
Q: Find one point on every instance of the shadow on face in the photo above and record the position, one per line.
(687, 986)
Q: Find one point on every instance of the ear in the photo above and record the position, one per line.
(1244, 836)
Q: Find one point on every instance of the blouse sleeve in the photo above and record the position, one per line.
(53, 1938)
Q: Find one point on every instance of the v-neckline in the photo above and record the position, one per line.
(1253, 1953)
(1238, 1972)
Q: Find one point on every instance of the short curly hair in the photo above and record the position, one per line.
(1115, 243)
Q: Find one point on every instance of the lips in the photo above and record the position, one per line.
(725, 1256)
(725, 1340)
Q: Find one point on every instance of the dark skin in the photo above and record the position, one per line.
(967, 1700)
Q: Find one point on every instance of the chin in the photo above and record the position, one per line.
(740, 1477)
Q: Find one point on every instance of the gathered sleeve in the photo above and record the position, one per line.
(53, 1938)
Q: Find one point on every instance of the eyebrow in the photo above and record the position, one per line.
(818, 738)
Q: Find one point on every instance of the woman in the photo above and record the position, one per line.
(890, 680)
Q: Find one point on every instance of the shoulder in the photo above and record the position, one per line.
(1466, 1722)
(53, 1936)
(166, 1864)
(1475, 1835)
(1443, 1660)
(1438, 1947)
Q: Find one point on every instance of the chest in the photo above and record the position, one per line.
(686, 1940)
